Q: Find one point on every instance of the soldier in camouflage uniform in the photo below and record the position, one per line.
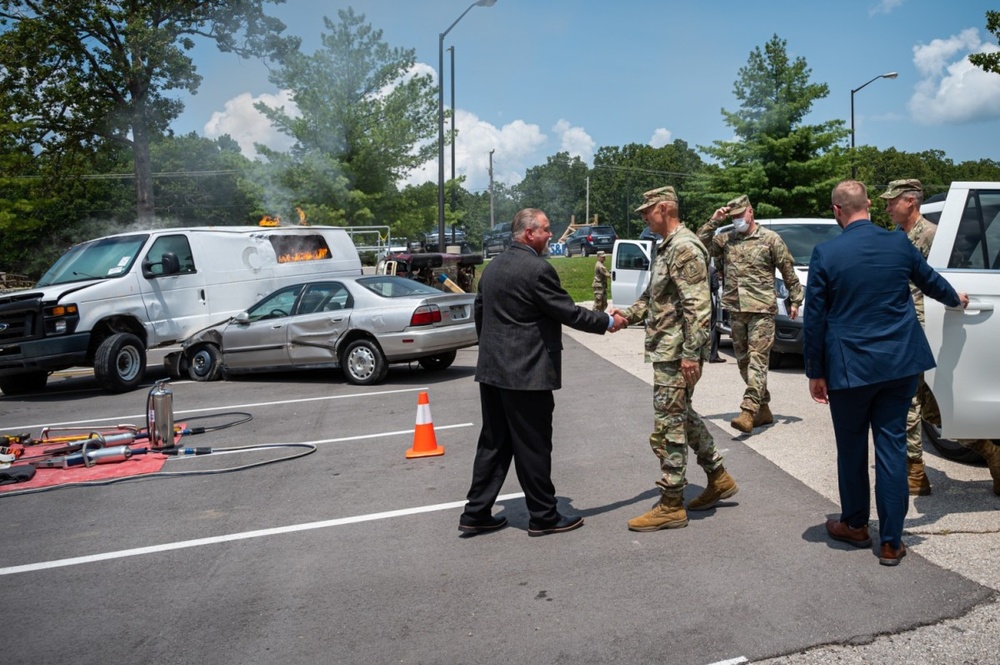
(600, 284)
(749, 255)
(675, 308)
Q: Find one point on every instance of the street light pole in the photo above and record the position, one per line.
(479, 3)
(451, 49)
(890, 75)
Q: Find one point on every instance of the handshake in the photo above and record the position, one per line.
(618, 320)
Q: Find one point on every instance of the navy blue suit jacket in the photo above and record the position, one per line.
(520, 309)
(860, 324)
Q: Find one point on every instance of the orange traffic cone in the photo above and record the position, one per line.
(424, 441)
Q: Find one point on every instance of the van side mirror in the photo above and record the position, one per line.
(169, 265)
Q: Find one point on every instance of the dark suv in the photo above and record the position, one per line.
(588, 240)
(496, 240)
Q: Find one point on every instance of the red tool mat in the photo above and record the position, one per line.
(150, 462)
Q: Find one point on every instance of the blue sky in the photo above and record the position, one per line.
(535, 77)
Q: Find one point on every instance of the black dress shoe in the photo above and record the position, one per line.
(717, 359)
(564, 523)
(480, 525)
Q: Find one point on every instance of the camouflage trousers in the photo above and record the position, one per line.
(675, 427)
(600, 299)
(753, 337)
(914, 430)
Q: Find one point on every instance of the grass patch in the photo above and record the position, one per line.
(575, 273)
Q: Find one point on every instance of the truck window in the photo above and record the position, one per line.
(977, 242)
(289, 248)
(178, 246)
(630, 257)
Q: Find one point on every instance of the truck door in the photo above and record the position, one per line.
(630, 262)
(172, 289)
(965, 381)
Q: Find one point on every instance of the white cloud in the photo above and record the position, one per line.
(574, 140)
(952, 90)
(247, 125)
(660, 138)
(514, 145)
(885, 7)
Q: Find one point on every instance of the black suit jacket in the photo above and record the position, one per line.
(520, 308)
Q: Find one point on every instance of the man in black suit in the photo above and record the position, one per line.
(520, 308)
(864, 349)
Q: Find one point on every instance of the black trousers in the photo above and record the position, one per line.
(517, 424)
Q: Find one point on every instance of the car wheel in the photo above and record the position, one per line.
(949, 448)
(774, 361)
(120, 362)
(20, 384)
(204, 362)
(363, 363)
(438, 362)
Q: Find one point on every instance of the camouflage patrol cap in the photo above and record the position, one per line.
(654, 196)
(738, 205)
(897, 187)
(600, 254)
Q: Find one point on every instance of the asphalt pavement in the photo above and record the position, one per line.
(352, 554)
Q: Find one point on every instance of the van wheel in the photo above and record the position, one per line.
(204, 362)
(949, 448)
(20, 384)
(438, 362)
(363, 363)
(120, 363)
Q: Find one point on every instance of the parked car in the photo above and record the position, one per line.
(454, 235)
(496, 240)
(588, 240)
(360, 324)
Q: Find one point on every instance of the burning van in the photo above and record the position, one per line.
(107, 301)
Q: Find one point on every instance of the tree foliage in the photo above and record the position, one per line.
(363, 120)
(76, 73)
(786, 167)
(989, 62)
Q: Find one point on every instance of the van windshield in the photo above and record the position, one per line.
(98, 259)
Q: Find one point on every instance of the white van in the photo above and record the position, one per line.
(107, 301)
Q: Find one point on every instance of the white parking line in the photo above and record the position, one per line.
(142, 416)
(276, 531)
(732, 661)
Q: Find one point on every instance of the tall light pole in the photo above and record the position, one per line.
(492, 218)
(890, 75)
(480, 3)
(451, 50)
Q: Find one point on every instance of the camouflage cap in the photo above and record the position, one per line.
(738, 205)
(654, 196)
(600, 254)
(897, 187)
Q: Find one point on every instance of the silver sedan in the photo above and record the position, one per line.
(359, 324)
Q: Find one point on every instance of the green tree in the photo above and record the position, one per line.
(79, 72)
(363, 121)
(559, 187)
(786, 167)
(989, 62)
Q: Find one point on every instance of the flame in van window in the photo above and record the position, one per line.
(305, 256)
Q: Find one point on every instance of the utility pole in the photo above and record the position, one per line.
(492, 221)
(587, 215)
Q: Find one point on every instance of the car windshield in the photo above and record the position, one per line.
(802, 238)
(99, 259)
(389, 286)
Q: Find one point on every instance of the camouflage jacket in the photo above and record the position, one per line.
(676, 306)
(748, 265)
(922, 237)
(600, 276)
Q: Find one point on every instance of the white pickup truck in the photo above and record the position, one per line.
(966, 251)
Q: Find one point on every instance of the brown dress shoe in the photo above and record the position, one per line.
(856, 536)
(890, 556)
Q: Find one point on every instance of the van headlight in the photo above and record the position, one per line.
(60, 319)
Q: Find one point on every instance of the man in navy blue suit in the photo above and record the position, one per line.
(864, 349)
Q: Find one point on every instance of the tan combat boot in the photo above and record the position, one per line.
(669, 513)
(991, 455)
(743, 422)
(720, 486)
(763, 416)
(919, 485)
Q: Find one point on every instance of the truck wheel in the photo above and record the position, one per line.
(438, 362)
(949, 448)
(363, 363)
(120, 363)
(204, 362)
(20, 384)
